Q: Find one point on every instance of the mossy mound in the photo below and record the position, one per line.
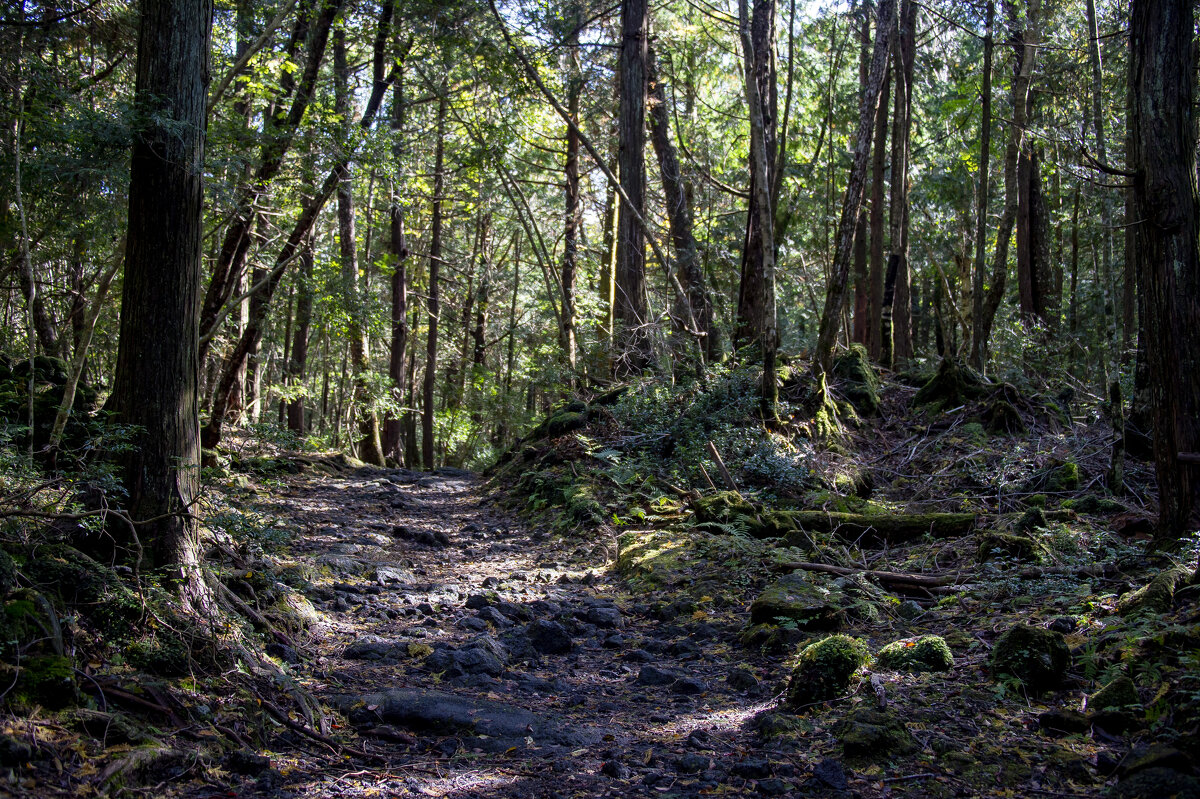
(723, 507)
(1036, 657)
(163, 655)
(46, 680)
(571, 417)
(653, 555)
(1021, 548)
(1120, 693)
(825, 670)
(1157, 596)
(927, 653)
(1092, 504)
(870, 734)
(800, 600)
(80, 581)
(953, 385)
(28, 624)
(1064, 477)
(859, 383)
(1001, 417)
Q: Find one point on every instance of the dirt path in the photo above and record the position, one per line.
(477, 657)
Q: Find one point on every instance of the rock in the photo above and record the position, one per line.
(374, 648)
(692, 763)
(615, 769)
(1157, 783)
(549, 637)
(444, 713)
(1021, 548)
(909, 610)
(392, 574)
(1063, 624)
(867, 733)
(688, 686)
(473, 623)
(1060, 720)
(1114, 722)
(478, 601)
(638, 656)
(1119, 693)
(242, 761)
(14, 752)
(1036, 657)
(1154, 756)
(654, 676)
(469, 660)
(773, 787)
(495, 618)
(342, 565)
(430, 538)
(283, 652)
(831, 774)
(605, 616)
(824, 670)
(927, 653)
(753, 769)
(741, 678)
(798, 600)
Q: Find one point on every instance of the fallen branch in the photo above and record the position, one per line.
(916, 580)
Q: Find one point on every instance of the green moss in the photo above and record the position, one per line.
(860, 384)
(1021, 548)
(890, 527)
(1035, 657)
(47, 680)
(163, 655)
(800, 601)
(927, 653)
(867, 734)
(974, 432)
(1063, 478)
(1157, 596)
(1032, 519)
(83, 583)
(1036, 501)
(953, 385)
(1119, 693)
(1093, 504)
(654, 555)
(1002, 418)
(722, 507)
(825, 670)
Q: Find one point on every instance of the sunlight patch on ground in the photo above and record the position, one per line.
(368, 783)
(730, 719)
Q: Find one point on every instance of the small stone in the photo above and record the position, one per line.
(1037, 657)
(477, 601)
(1063, 624)
(473, 623)
(909, 610)
(615, 769)
(652, 675)
(1063, 721)
(773, 786)
(755, 769)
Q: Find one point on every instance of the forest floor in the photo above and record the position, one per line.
(568, 628)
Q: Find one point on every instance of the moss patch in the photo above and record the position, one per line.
(1119, 693)
(867, 734)
(1157, 596)
(800, 600)
(859, 383)
(1037, 658)
(927, 653)
(825, 670)
(1021, 548)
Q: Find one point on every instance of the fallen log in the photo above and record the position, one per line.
(892, 528)
(901, 578)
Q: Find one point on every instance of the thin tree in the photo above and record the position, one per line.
(435, 261)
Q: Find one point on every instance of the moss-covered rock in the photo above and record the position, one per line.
(1092, 504)
(722, 507)
(870, 734)
(927, 653)
(1064, 477)
(1119, 693)
(1036, 657)
(772, 639)
(653, 555)
(1157, 596)
(1157, 783)
(1032, 519)
(825, 670)
(859, 383)
(1001, 417)
(573, 416)
(1021, 548)
(803, 601)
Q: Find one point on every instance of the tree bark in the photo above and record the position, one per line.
(1024, 44)
(1101, 151)
(157, 362)
(573, 212)
(983, 194)
(633, 340)
(298, 362)
(370, 448)
(435, 261)
(878, 263)
(1168, 261)
(901, 346)
(835, 297)
(679, 214)
(393, 426)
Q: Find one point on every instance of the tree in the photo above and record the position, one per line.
(1163, 159)
(158, 358)
(630, 310)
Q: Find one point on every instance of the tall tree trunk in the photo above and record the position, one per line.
(573, 212)
(862, 280)
(1101, 151)
(1168, 260)
(398, 251)
(298, 363)
(903, 58)
(634, 341)
(752, 300)
(877, 261)
(982, 195)
(679, 214)
(835, 297)
(370, 448)
(1024, 44)
(157, 361)
(435, 260)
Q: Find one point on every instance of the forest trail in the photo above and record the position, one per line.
(477, 656)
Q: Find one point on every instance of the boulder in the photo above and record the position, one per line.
(1036, 657)
(927, 653)
(825, 670)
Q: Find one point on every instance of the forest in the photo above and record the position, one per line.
(495, 398)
